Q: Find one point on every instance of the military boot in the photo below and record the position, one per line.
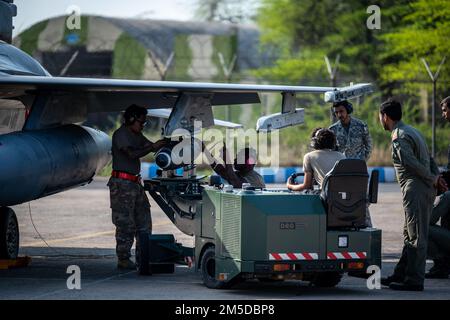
(391, 279)
(440, 270)
(405, 286)
(126, 264)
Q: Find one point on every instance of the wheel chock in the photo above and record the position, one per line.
(20, 262)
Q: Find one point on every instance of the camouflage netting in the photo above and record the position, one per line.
(139, 49)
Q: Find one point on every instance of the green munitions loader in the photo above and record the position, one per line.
(268, 234)
(275, 234)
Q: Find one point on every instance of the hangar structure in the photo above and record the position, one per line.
(140, 49)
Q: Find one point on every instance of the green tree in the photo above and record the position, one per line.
(306, 30)
(226, 10)
(297, 29)
(303, 31)
(424, 33)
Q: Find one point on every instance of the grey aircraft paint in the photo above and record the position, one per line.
(39, 163)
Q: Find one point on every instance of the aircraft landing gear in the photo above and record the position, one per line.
(9, 234)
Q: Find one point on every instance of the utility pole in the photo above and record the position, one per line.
(332, 71)
(228, 72)
(434, 78)
(162, 71)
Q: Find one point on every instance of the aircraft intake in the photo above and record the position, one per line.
(38, 163)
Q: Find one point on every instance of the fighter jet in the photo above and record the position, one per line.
(43, 148)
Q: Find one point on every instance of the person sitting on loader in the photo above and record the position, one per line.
(317, 163)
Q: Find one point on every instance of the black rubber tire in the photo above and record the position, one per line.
(9, 234)
(270, 280)
(208, 266)
(359, 274)
(326, 279)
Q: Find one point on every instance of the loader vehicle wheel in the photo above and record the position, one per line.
(359, 274)
(9, 234)
(208, 269)
(269, 280)
(326, 279)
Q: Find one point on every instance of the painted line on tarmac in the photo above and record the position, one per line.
(83, 236)
(84, 286)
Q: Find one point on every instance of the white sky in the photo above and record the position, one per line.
(31, 11)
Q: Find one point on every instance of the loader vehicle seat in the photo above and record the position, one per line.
(344, 194)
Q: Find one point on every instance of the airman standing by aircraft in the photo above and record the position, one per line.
(419, 178)
(129, 203)
(352, 135)
(439, 236)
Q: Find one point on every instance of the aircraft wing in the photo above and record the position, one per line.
(108, 95)
(165, 114)
(99, 85)
(53, 101)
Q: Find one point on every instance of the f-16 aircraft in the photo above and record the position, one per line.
(43, 148)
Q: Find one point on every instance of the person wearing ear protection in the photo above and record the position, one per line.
(317, 163)
(242, 170)
(352, 135)
(129, 203)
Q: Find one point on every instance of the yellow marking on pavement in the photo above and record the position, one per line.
(83, 236)
(19, 262)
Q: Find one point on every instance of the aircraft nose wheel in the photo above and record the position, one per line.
(9, 234)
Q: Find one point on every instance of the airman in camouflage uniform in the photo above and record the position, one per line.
(130, 214)
(129, 203)
(418, 177)
(352, 135)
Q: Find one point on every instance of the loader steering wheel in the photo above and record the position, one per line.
(293, 176)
